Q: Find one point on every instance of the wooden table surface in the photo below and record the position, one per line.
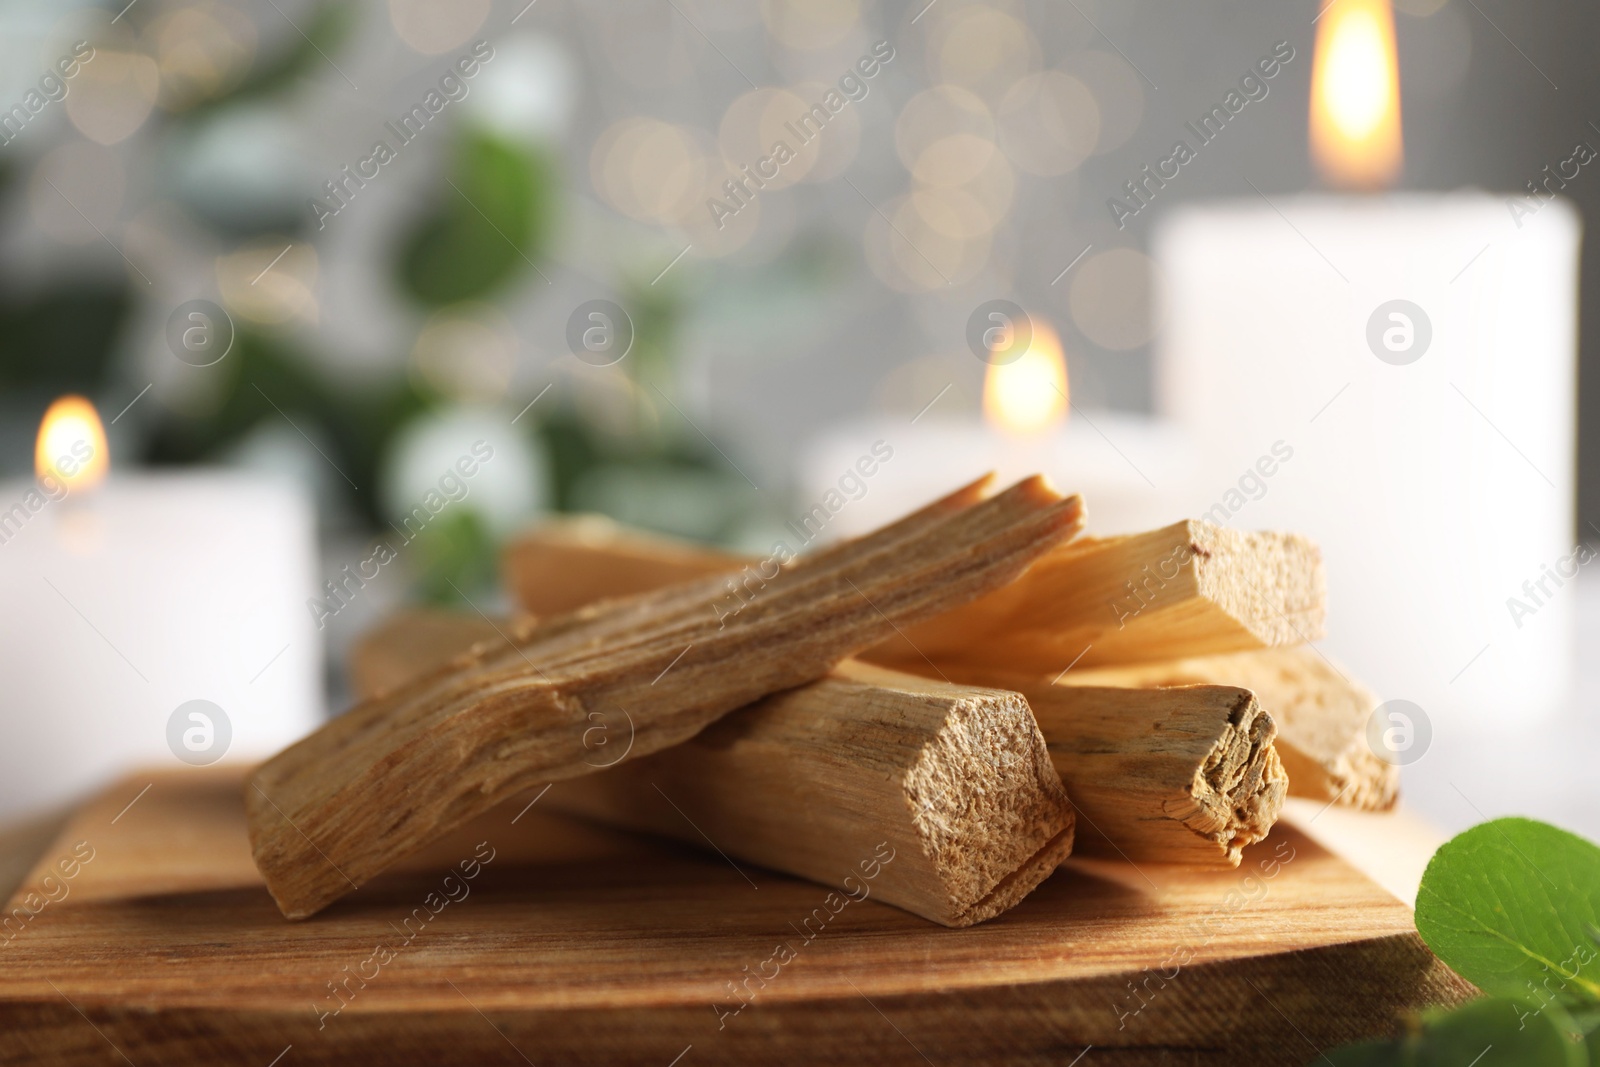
(579, 944)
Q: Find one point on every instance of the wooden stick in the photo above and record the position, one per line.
(955, 780)
(394, 772)
(1188, 589)
(1185, 776)
(1320, 711)
(565, 563)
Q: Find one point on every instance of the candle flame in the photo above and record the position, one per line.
(1355, 95)
(71, 447)
(1028, 395)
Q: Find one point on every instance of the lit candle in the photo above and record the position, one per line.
(1128, 468)
(1416, 353)
(127, 601)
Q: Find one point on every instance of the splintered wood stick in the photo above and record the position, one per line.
(1320, 710)
(1188, 589)
(954, 781)
(1184, 776)
(396, 771)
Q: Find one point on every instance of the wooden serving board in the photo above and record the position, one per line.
(574, 944)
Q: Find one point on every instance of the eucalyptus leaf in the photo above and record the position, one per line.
(1493, 1032)
(1510, 905)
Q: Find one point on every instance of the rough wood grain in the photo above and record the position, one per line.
(381, 780)
(1321, 712)
(1188, 589)
(578, 945)
(955, 778)
(1186, 775)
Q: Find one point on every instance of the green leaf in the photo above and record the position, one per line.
(490, 223)
(1510, 906)
(1492, 1032)
(1588, 1023)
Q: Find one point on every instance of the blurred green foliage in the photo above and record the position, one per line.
(329, 27)
(61, 338)
(484, 229)
(454, 557)
(490, 220)
(264, 378)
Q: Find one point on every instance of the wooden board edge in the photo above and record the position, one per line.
(1276, 1009)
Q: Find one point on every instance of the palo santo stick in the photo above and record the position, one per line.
(566, 563)
(1188, 589)
(394, 772)
(1321, 715)
(1186, 776)
(953, 781)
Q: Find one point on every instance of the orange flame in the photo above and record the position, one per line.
(71, 447)
(1028, 395)
(1355, 95)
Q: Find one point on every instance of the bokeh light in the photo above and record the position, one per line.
(270, 280)
(113, 94)
(1049, 123)
(1115, 298)
(432, 27)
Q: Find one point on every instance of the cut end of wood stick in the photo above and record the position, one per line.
(396, 771)
(1237, 793)
(1321, 712)
(990, 810)
(953, 782)
(1183, 590)
(955, 779)
(1272, 584)
(1186, 776)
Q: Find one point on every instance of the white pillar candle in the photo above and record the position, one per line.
(1433, 440)
(127, 601)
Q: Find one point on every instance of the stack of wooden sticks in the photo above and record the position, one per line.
(976, 686)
